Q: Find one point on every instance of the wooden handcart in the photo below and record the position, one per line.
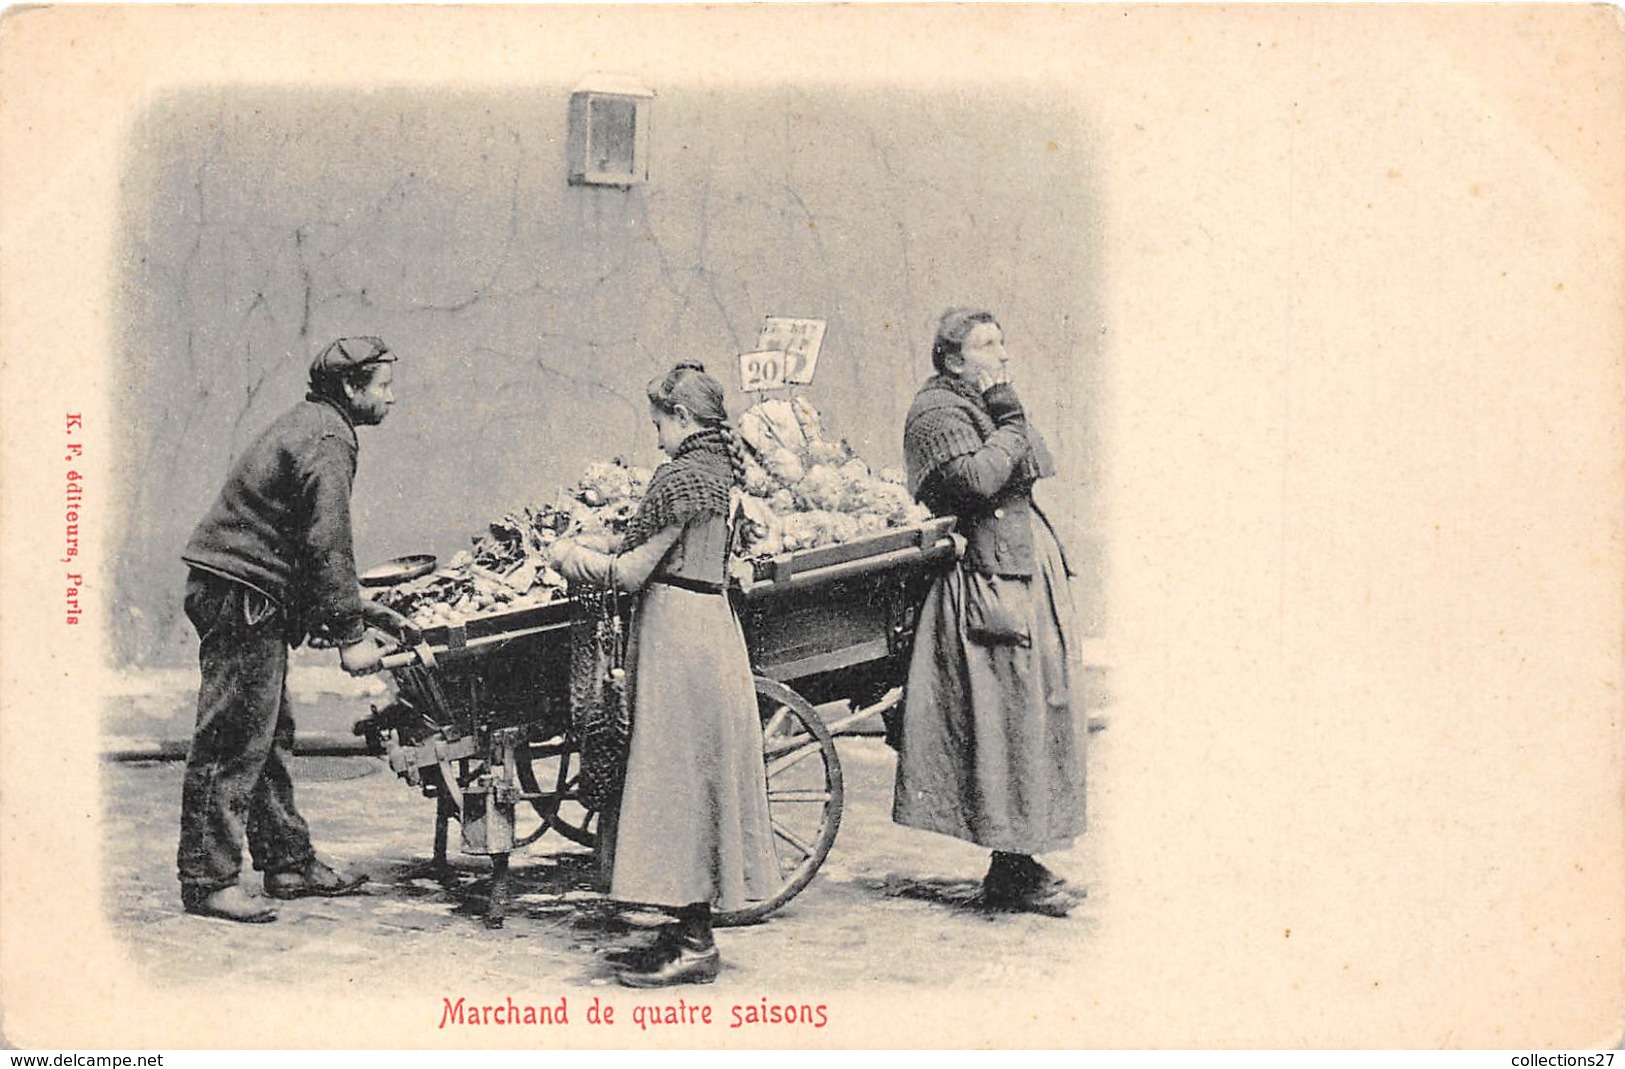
(481, 721)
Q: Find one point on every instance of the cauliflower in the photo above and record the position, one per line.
(840, 528)
(804, 530)
(784, 465)
(808, 419)
(872, 495)
(771, 425)
(605, 483)
(786, 427)
(822, 488)
(782, 501)
(818, 527)
(871, 523)
(828, 452)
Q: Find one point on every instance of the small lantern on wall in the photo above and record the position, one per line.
(609, 132)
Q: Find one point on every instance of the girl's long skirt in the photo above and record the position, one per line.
(990, 747)
(693, 819)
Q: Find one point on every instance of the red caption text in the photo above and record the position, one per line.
(465, 1012)
(74, 459)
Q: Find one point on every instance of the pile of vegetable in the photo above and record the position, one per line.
(510, 566)
(802, 490)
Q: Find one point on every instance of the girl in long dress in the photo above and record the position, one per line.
(692, 833)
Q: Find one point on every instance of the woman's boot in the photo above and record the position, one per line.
(1019, 882)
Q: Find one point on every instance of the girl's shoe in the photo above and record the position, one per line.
(682, 964)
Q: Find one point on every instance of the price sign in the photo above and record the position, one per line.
(799, 340)
(762, 371)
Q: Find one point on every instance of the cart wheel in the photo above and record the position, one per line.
(804, 793)
(526, 830)
(549, 768)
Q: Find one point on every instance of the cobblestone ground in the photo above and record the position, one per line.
(890, 905)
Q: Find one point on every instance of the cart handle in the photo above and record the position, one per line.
(948, 545)
(424, 654)
(392, 661)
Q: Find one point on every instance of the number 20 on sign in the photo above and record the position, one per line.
(786, 354)
(762, 370)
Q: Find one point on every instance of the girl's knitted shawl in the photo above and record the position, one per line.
(694, 482)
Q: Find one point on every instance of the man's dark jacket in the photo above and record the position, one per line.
(282, 522)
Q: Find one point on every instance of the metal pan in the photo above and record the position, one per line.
(399, 570)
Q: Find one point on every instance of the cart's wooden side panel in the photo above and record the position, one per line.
(819, 630)
(844, 630)
(833, 622)
(523, 678)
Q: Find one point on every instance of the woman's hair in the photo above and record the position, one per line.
(688, 385)
(952, 330)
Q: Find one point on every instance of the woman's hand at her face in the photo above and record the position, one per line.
(986, 380)
(984, 362)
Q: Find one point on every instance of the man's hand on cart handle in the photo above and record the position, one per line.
(365, 656)
(403, 659)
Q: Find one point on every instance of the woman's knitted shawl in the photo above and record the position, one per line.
(949, 419)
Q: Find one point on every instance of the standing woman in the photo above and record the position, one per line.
(692, 832)
(989, 747)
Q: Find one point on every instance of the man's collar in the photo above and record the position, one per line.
(344, 412)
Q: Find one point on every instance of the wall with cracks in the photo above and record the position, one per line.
(529, 314)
